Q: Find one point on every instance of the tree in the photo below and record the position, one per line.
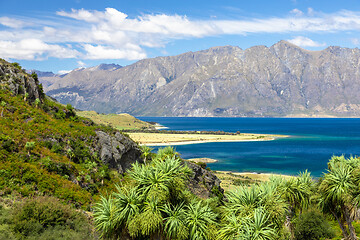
(198, 218)
(159, 179)
(71, 155)
(115, 213)
(312, 225)
(3, 105)
(259, 227)
(175, 227)
(339, 193)
(37, 102)
(29, 146)
(146, 152)
(167, 152)
(232, 227)
(26, 95)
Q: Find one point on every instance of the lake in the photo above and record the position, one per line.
(312, 143)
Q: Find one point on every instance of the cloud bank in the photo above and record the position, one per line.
(112, 34)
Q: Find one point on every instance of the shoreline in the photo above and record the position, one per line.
(203, 160)
(171, 139)
(231, 180)
(201, 141)
(253, 173)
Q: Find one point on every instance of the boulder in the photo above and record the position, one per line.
(203, 182)
(117, 151)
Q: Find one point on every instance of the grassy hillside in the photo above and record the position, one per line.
(118, 121)
(43, 153)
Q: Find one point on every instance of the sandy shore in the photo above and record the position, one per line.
(166, 139)
(204, 160)
(229, 178)
(255, 175)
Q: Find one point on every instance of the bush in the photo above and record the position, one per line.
(313, 225)
(47, 218)
(201, 164)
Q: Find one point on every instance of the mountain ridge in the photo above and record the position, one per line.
(277, 81)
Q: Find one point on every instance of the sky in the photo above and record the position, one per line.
(61, 35)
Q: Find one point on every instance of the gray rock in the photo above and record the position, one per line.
(117, 151)
(19, 82)
(203, 181)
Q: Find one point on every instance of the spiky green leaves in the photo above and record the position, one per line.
(198, 217)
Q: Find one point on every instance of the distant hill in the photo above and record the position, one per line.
(277, 81)
(119, 121)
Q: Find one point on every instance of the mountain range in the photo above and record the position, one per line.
(283, 80)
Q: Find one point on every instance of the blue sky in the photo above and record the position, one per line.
(61, 35)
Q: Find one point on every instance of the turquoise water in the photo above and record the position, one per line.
(312, 143)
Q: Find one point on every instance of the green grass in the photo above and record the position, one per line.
(33, 152)
(119, 121)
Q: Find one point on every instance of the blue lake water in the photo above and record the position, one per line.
(312, 143)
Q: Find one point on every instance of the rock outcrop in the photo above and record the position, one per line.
(117, 151)
(204, 183)
(276, 81)
(18, 82)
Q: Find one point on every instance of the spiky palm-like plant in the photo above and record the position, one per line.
(175, 227)
(3, 105)
(113, 214)
(146, 152)
(158, 180)
(231, 228)
(198, 218)
(105, 213)
(167, 152)
(243, 201)
(273, 203)
(258, 227)
(338, 193)
(149, 221)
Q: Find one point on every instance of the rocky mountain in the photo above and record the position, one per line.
(276, 81)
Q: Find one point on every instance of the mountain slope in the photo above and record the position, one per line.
(46, 149)
(280, 80)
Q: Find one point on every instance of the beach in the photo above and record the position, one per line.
(166, 139)
(230, 180)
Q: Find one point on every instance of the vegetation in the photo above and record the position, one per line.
(43, 218)
(151, 206)
(45, 149)
(50, 174)
(118, 121)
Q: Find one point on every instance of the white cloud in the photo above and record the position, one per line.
(81, 63)
(305, 42)
(87, 34)
(12, 23)
(296, 12)
(31, 49)
(104, 52)
(61, 72)
(310, 11)
(355, 41)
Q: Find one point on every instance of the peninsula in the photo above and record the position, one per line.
(164, 139)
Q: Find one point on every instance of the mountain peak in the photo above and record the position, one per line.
(224, 81)
(285, 43)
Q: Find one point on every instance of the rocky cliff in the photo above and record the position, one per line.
(280, 80)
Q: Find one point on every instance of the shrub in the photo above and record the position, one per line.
(16, 65)
(47, 218)
(312, 225)
(201, 164)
